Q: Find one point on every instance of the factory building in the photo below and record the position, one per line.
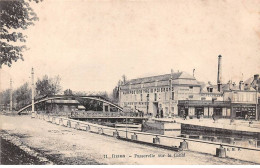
(179, 93)
(159, 93)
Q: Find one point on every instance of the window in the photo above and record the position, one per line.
(210, 89)
(141, 97)
(191, 87)
(151, 90)
(172, 95)
(155, 96)
(190, 96)
(166, 89)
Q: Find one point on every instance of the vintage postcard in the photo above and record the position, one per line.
(130, 82)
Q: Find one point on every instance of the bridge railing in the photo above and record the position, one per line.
(104, 114)
(85, 114)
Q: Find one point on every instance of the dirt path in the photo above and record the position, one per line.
(62, 145)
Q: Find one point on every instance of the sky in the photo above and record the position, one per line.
(91, 44)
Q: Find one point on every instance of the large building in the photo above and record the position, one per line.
(179, 93)
(162, 92)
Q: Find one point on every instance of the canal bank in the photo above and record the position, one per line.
(14, 155)
(72, 146)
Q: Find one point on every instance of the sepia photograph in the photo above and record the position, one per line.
(129, 82)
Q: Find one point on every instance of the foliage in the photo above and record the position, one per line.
(68, 92)
(16, 15)
(48, 86)
(5, 97)
(23, 95)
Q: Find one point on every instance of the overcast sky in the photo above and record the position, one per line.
(92, 44)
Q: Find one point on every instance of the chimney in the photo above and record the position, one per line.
(219, 79)
(172, 73)
(229, 84)
(241, 85)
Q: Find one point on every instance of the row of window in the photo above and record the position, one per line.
(155, 97)
(167, 89)
(135, 103)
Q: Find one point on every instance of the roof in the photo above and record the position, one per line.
(165, 77)
(63, 101)
(249, 81)
(81, 107)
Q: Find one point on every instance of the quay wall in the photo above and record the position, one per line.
(218, 130)
(232, 151)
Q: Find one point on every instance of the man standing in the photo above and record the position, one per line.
(162, 113)
(157, 115)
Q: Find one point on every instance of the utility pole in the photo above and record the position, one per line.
(170, 92)
(33, 113)
(256, 111)
(11, 95)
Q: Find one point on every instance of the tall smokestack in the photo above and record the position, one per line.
(219, 80)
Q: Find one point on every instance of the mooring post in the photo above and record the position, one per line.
(116, 134)
(68, 123)
(134, 137)
(87, 128)
(156, 140)
(184, 145)
(221, 152)
(100, 130)
(61, 121)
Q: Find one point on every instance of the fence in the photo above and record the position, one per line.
(172, 142)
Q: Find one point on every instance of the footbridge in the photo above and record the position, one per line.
(57, 97)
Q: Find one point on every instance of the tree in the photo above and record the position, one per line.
(23, 95)
(124, 78)
(48, 86)
(5, 97)
(16, 15)
(68, 92)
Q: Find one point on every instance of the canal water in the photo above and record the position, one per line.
(234, 139)
(246, 141)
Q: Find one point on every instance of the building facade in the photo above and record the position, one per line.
(159, 93)
(181, 94)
